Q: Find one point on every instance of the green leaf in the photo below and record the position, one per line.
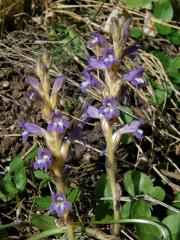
(162, 29)
(20, 179)
(44, 202)
(43, 222)
(147, 231)
(126, 114)
(102, 187)
(162, 57)
(41, 175)
(126, 210)
(173, 224)
(135, 32)
(174, 37)
(136, 3)
(74, 194)
(174, 69)
(15, 164)
(140, 209)
(32, 154)
(8, 190)
(176, 202)
(127, 138)
(136, 182)
(158, 193)
(163, 9)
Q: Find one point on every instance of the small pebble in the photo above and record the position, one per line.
(5, 84)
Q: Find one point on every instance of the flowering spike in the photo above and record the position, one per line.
(109, 109)
(59, 204)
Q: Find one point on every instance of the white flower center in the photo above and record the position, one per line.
(95, 40)
(43, 159)
(109, 58)
(139, 80)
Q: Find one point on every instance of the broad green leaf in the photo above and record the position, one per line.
(126, 210)
(15, 164)
(137, 3)
(173, 224)
(140, 209)
(8, 189)
(126, 114)
(20, 179)
(158, 193)
(174, 69)
(102, 187)
(136, 32)
(174, 37)
(163, 9)
(44, 202)
(43, 222)
(147, 231)
(136, 182)
(74, 194)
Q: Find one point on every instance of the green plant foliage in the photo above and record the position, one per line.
(74, 194)
(158, 193)
(104, 209)
(102, 187)
(43, 222)
(173, 224)
(136, 182)
(126, 210)
(140, 209)
(136, 32)
(71, 40)
(32, 154)
(162, 57)
(136, 3)
(163, 9)
(174, 37)
(44, 177)
(43, 202)
(14, 181)
(176, 202)
(126, 114)
(174, 69)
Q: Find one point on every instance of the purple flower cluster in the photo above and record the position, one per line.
(98, 40)
(59, 204)
(90, 80)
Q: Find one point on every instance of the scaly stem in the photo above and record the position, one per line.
(111, 171)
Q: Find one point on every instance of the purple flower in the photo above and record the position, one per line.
(35, 84)
(109, 109)
(44, 159)
(133, 127)
(59, 204)
(57, 124)
(58, 82)
(132, 51)
(32, 129)
(77, 134)
(107, 60)
(34, 95)
(99, 40)
(90, 80)
(135, 77)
